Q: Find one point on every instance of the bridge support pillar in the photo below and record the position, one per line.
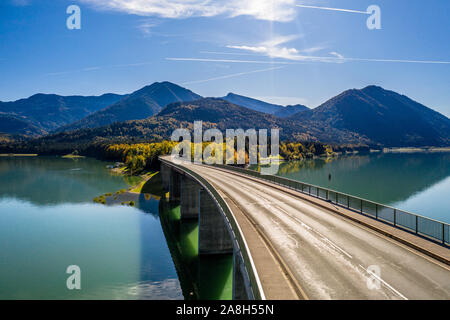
(239, 284)
(189, 207)
(213, 237)
(175, 186)
(165, 176)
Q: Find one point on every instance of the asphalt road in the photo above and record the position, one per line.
(329, 256)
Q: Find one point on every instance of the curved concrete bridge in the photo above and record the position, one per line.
(288, 245)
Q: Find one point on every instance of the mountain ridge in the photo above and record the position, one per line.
(383, 116)
(372, 115)
(140, 104)
(262, 106)
(42, 113)
(214, 112)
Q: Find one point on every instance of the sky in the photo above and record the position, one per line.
(280, 51)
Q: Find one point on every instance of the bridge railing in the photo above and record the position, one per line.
(429, 228)
(235, 229)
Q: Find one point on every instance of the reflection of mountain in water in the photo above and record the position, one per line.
(52, 180)
(384, 178)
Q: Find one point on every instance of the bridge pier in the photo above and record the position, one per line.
(189, 207)
(165, 176)
(213, 237)
(175, 186)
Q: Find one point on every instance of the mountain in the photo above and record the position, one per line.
(42, 113)
(11, 123)
(224, 114)
(370, 116)
(214, 112)
(141, 104)
(252, 104)
(261, 106)
(290, 110)
(385, 117)
(221, 114)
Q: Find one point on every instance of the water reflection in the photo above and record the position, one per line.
(52, 180)
(120, 250)
(48, 222)
(388, 178)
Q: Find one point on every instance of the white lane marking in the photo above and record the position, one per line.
(373, 233)
(267, 203)
(289, 235)
(317, 232)
(295, 240)
(384, 282)
(337, 248)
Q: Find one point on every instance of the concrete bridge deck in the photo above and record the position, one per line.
(304, 250)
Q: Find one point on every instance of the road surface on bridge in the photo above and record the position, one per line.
(327, 255)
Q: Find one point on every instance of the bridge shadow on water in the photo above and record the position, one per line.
(201, 277)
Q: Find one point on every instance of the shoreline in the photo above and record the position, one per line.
(72, 156)
(416, 150)
(19, 155)
(130, 196)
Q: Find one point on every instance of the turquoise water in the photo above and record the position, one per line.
(201, 277)
(415, 182)
(48, 222)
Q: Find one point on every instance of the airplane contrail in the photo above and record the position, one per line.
(311, 59)
(230, 61)
(228, 53)
(232, 75)
(332, 9)
(397, 61)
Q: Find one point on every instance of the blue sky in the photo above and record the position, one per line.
(268, 49)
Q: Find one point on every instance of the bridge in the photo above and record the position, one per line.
(289, 243)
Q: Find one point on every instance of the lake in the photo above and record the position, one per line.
(415, 182)
(48, 222)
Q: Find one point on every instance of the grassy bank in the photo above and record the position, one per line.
(150, 186)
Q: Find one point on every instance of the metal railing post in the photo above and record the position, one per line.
(307, 189)
(417, 224)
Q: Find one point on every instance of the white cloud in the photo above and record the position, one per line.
(146, 27)
(272, 10)
(338, 55)
(312, 49)
(274, 48)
